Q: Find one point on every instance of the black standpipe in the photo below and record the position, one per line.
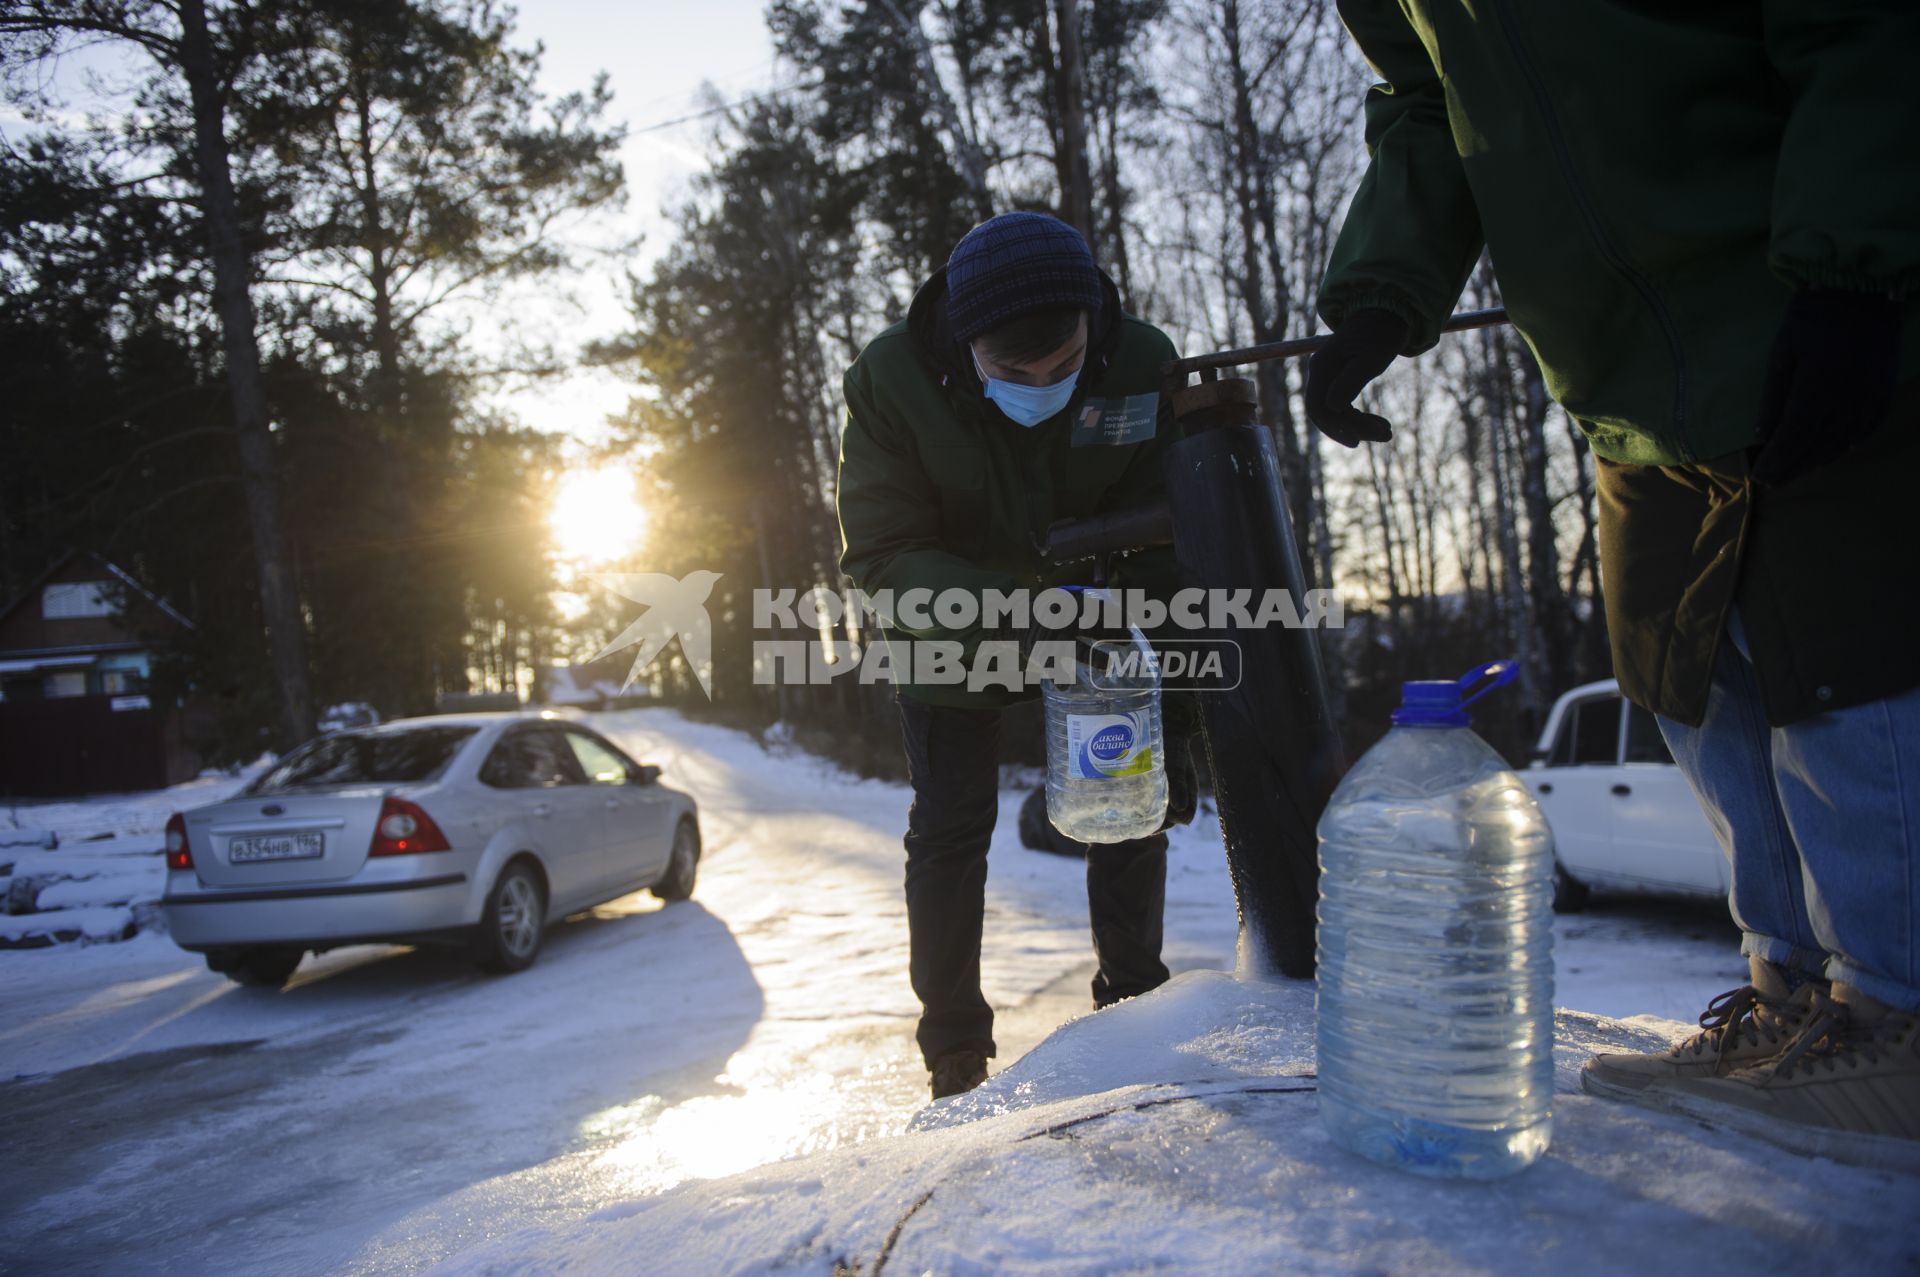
(1271, 741)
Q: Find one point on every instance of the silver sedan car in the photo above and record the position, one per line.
(476, 830)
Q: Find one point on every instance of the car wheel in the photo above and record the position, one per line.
(514, 921)
(682, 866)
(1570, 895)
(260, 967)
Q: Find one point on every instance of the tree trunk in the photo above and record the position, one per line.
(1070, 89)
(966, 152)
(232, 278)
(1543, 551)
(1250, 182)
(404, 563)
(1591, 654)
(1115, 197)
(1515, 605)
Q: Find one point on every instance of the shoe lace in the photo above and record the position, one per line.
(1830, 1039)
(1733, 1013)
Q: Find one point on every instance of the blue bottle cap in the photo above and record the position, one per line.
(1443, 703)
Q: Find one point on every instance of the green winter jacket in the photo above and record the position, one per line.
(939, 490)
(1651, 180)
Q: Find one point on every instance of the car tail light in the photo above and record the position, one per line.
(404, 829)
(179, 855)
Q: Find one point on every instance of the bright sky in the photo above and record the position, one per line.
(657, 55)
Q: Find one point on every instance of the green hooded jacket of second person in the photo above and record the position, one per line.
(939, 490)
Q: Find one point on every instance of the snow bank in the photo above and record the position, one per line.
(104, 893)
(139, 885)
(1178, 1133)
(144, 812)
(92, 869)
(1203, 1027)
(63, 926)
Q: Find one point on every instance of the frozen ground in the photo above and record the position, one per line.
(392, 1109)
(1177, 1134)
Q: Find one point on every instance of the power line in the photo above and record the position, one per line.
(759, 71)
(723, 107)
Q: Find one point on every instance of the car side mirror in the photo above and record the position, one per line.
(647, 775)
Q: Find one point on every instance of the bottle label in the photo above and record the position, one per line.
(1109, 746)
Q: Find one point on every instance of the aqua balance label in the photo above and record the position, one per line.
(1109, 746)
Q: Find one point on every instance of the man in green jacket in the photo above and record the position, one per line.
(1705, 221)
(1015, 393)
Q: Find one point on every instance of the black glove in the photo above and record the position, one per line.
(1359, 350)
(1830, 378)
(1085, 636)
(1183, 780)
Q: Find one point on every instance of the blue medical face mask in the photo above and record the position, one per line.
(1028, 405)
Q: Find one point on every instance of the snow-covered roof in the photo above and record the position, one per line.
(49, 662)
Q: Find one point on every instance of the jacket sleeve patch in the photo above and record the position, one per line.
(1116, 421)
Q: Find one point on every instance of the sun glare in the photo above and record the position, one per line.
(596, 517)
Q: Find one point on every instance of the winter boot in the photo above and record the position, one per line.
(958, 1072)
(1848, 1088)
(1739, 1028)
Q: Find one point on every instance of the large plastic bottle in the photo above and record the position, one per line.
(1106, 770)
(1436, 949)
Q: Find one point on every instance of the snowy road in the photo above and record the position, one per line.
(391, 1107)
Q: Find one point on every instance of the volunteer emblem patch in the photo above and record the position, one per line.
(1116, 421)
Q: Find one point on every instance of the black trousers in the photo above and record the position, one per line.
(953, 759)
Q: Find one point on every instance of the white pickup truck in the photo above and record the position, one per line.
(1623, 816)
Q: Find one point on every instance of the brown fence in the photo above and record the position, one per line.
(82, 745)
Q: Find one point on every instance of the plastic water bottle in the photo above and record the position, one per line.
(1106, 771)
(1436, 949)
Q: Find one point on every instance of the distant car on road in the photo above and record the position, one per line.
(346, 715)
(476, 830)
(1623, 816)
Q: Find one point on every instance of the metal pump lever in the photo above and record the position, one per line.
(1208, 366)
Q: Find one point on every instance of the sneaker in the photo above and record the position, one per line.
(1739, 1029)
(958, 1072)
(1848, 1088)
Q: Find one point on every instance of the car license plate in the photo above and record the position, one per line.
(276, 847)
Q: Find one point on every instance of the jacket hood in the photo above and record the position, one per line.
(947, 359)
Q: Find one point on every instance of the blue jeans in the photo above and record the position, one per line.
(1821, 820)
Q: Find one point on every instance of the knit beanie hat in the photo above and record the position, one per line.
(1015, 264)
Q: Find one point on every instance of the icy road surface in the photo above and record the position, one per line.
(392, 1108)
(1177, 1134)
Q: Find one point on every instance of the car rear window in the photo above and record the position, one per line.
(1589, 733)
(1645, 744)
(360, 758)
